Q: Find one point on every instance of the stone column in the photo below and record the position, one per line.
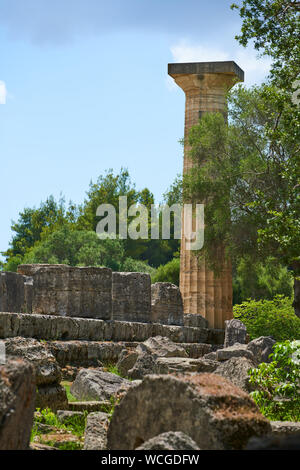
(205, 85)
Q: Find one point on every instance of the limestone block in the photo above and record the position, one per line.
(95, 435)
(47, 370)
(28, 295)
(71, 291)
(31, 269)
(51, 396)
(216, 414)
(131, 297)
(162, 347)
(237, 350)
(236, 370)
(11, 292)
(195, 320)
(261, 348)
(235, 332)
(166, 304)
(17, 404)
(95, 384)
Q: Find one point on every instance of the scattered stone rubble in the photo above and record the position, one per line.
(59, 322)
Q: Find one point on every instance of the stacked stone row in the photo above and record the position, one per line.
(90, 292)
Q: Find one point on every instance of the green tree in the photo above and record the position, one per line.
(274, 27)
(247, 173)
(261, 281)
(33, 224)
(168, 272)
(77, 248)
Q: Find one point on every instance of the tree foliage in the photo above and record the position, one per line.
(274, 27)
(248, 178)
(277, 383)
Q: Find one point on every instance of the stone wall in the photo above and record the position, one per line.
(94, 293)
(52, 327)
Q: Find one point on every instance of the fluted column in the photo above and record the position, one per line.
(205, 85)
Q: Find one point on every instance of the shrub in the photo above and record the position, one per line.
(274, 318)
(168, 272)
(277, 383)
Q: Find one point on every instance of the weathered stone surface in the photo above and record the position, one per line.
(85, 353)
(235, 332)
(126, 361)
(17, 392)
(206, 407)
(151, 357)
(30, 269)
(51, 327)
(162, 347)
(72, 291)
(285, 428)
(261, 348)
(47, 370)
(51, 396)
(169, 441)
(211, 356)
(194, 320)
(95, 384)
(11, 292)
(166, 304)
(28, 295)
(131, 297)
(196, 350)
(95, 436)
(237, 350)
(236, 370)
(145, 364)
(166, 365)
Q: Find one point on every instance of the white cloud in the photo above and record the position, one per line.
(186, 52)
(256, 69)
(3, 92)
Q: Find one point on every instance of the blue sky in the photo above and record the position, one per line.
(84, 88)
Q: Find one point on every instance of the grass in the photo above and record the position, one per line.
(112, 368)
(73, 426)
(67, 386)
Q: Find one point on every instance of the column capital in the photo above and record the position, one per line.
(195, 77)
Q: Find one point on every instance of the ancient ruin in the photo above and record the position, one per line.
(205, 85)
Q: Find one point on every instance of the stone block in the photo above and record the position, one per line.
(51, 396)
(47, 370)
(71, 291)
(11, 292)
(17, 404)
(95, 435)
(131, 297)
(237, 350)
(194, 320)
(95, 384)
(166, 304)
(235, 332)
(216, 414)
